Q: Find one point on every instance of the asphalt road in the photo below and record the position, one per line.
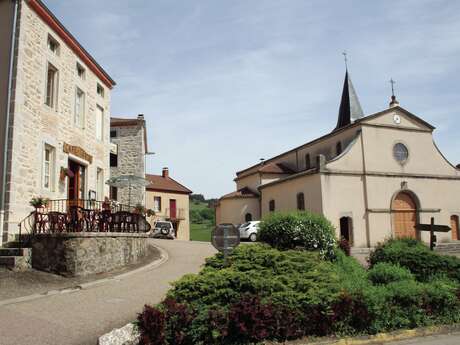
(442, 339)
(79, 318)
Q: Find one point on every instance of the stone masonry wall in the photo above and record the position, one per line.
(34, 124)
(80, 254)
(131, 160)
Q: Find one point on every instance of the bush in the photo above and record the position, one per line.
(345, 246)
(299, 229)
(264, 293)
(425, 264)
(385, 273)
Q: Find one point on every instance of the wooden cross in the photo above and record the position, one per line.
(432, 228)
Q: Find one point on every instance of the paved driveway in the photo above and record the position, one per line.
(79, 318)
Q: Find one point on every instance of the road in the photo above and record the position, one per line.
(79, 318)
(442, 339)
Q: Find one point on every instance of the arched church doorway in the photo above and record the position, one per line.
(404, 209)
(346, 227)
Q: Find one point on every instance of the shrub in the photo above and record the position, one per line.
(345, 246)
(418, 258)
(151, 325)
(264, 293)
(385, 273)
(298, 229)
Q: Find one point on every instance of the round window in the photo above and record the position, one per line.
(400, 152)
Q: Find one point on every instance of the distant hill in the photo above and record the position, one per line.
(202, 217)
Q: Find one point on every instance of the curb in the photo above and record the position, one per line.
(379, 338)
(164, 257)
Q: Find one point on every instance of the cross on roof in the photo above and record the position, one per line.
(345, 59)
(392, 82)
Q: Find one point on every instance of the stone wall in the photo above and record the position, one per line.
(34, 124)
(80, 254)
(131, 160)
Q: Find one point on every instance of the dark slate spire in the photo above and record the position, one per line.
(350, 108)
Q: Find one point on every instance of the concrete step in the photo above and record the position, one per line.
(11, 251)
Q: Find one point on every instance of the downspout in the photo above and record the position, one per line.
(7, 120)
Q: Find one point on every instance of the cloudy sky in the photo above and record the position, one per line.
(224, 83)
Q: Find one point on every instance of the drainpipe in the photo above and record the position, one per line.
(7, 121)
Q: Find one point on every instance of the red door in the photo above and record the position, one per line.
(172, 209)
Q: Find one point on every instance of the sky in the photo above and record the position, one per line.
(225, 83)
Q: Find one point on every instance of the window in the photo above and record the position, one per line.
(307, 162)
(100, 90)
(79, 117)
(100, 184)
(157, 203)
(400, 153)
(248, 217)
(271, 205)
(51, 86)
(48, 167)
(113, 193)
(338, 148)
(113, 160)
(113, 133)
(81, 71)
(99, 123)
(53, 45)
(301, 202)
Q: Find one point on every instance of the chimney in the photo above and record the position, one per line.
(140, 117)
(165, 173)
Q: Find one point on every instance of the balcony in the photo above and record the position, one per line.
(176, 214)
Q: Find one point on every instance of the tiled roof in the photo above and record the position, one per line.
(241, 193)
(165, 184)
(276, 168)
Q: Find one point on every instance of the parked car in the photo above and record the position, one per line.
(163, 229)
(249, 230)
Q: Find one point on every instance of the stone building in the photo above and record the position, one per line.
(170, 201)
(54, 113)
(127, 157)
(373, 177)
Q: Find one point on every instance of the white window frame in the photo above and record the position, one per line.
(99, 184)
(51, 100)
(79, 68)
(80, 106)
(99, 123)
(48, 167)
(52, 41)
(157, 208)
(101, 93)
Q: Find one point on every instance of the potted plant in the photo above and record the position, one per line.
(139, 209)
(39, 203)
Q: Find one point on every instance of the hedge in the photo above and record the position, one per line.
(264, 293)
(305, 230)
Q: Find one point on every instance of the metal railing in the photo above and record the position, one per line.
(174, 214)
(64, 216)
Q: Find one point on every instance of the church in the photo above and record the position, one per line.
(374, 177)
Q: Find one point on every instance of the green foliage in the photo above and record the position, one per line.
(385, 273)
(306, 230)
(425, 264)
(264, 293)
(202, 221)
(288, 277)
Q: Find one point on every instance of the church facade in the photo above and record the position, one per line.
(374, 177)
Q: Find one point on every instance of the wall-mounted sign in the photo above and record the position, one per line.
(77, 151)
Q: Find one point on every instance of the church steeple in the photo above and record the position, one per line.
(350, 108)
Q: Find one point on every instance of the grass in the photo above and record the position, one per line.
(200, 231)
